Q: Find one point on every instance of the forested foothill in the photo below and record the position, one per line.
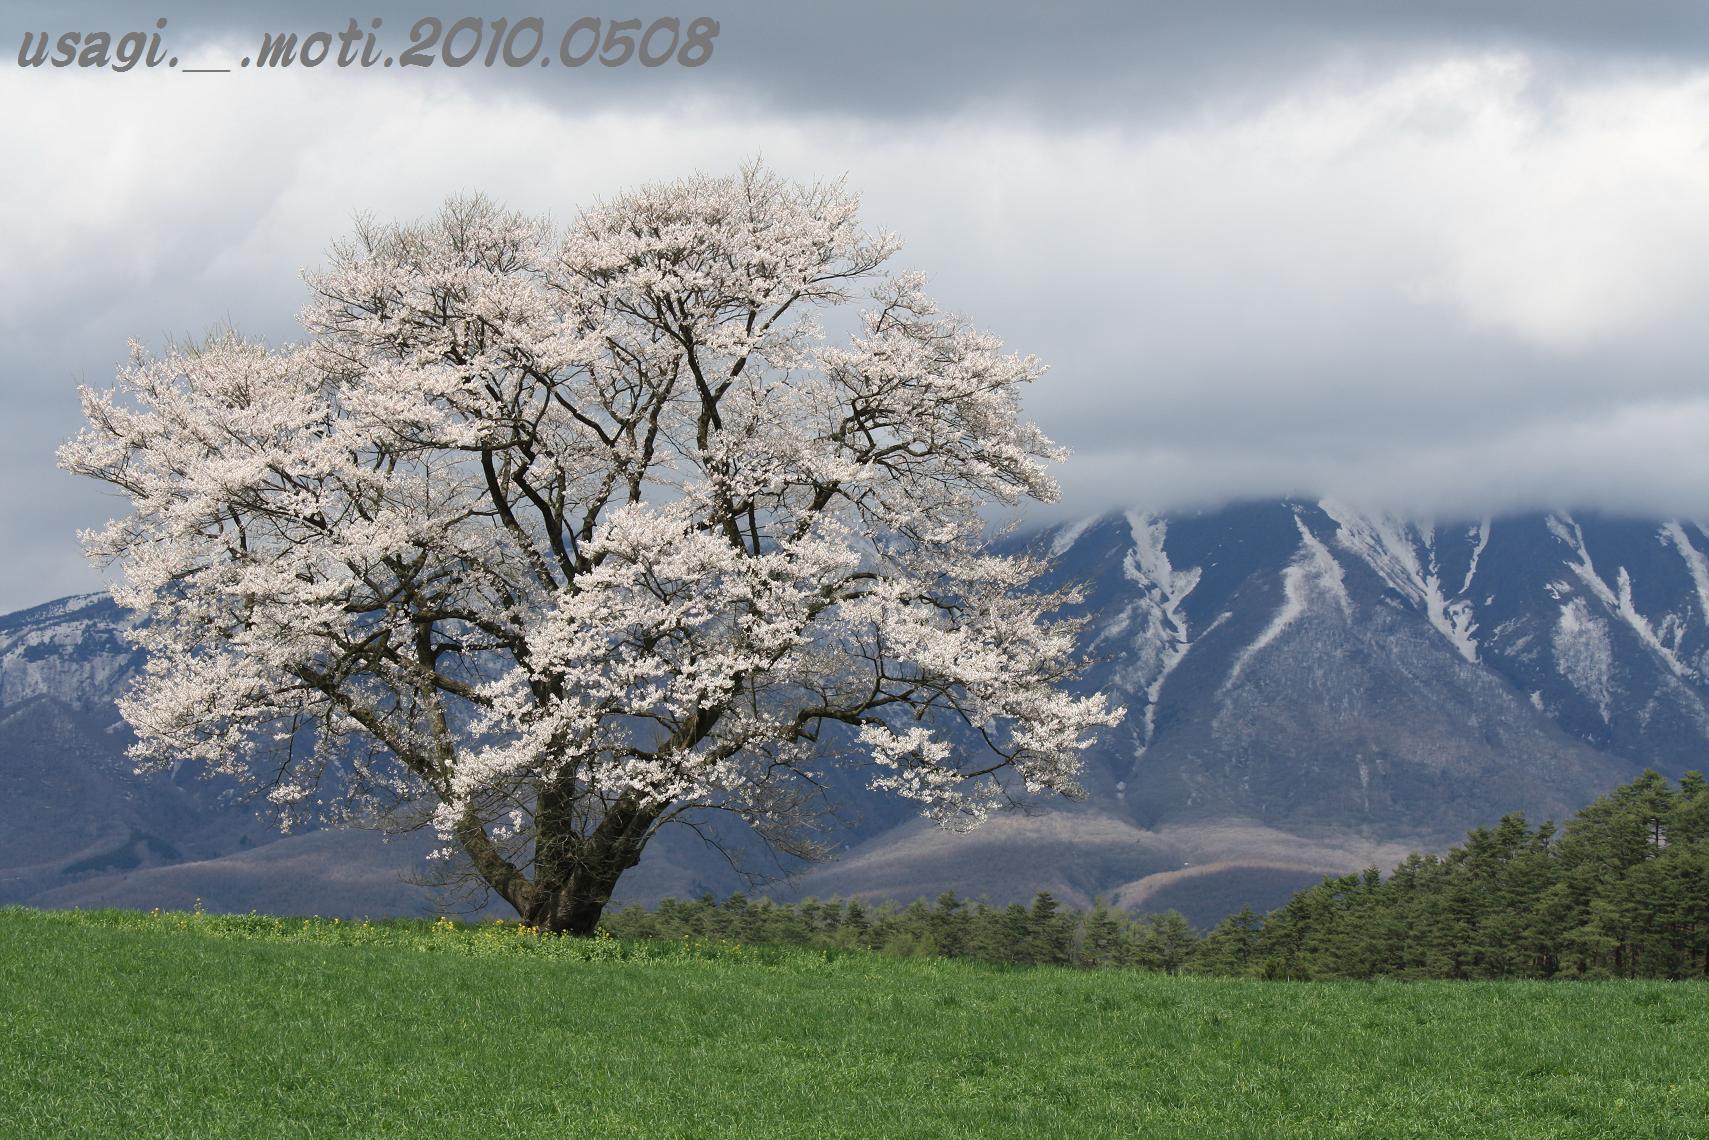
(1622, 890)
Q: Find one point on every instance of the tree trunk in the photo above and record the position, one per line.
(574, 908)
(574, 875)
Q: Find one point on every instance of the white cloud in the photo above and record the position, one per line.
(1465, 281)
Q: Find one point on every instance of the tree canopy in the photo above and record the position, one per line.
(549, 537)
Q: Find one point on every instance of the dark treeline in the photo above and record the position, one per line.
(1045, 933)
(1621, 891)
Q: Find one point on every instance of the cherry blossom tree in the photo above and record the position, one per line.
(547, 538)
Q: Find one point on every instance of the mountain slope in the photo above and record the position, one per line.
(1312, 689)
(1321, 670)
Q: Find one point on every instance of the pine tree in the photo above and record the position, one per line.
(949, 925)
(1050, 933)
(855, 926)
(1231, 948)
(1103, 941)
(1167, 943)
(1014, 931)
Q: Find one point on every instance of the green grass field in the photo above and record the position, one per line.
(116, 1024)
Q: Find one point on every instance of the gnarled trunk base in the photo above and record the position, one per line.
(574, 875)
(567, 910)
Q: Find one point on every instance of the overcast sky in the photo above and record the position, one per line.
(1449, 262)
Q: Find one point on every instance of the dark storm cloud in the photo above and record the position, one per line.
(904, 57)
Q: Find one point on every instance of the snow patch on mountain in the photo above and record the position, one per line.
(1163, 636)
(72, 650)
(1617, 598)
(1389, 547)
(1070, 534)
(1584, 654)
(1480, 538)
(1695, 564)
(1313, 571)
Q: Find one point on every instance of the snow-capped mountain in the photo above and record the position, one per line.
(72, 650)
(71, 808)
(1311, 688)
(1318, 667)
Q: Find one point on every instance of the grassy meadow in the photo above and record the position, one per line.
(116, 1023)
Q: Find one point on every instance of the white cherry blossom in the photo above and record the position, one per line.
(551, 538)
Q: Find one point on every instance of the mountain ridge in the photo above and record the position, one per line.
(1312, 688)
